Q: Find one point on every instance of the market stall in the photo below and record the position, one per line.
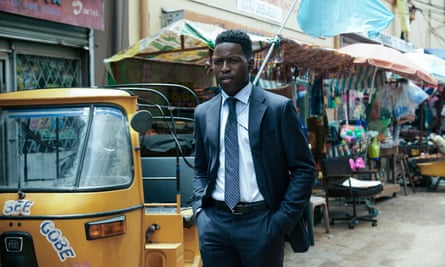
(380, 95)
(303, 67)
(178, 53)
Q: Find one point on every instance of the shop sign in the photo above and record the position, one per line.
(394, 42)
(83, 13)
(381, 38)
(260, 9)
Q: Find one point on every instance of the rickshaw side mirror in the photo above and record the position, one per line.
(141, 121)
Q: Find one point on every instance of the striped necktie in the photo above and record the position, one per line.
(232, 192)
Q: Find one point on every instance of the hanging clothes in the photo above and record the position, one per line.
(317, 97)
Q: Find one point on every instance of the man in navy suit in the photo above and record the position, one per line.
(275, 170)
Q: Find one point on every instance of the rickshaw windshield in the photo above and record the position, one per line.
(64, 149)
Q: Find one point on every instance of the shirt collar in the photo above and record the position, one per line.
(242, 96)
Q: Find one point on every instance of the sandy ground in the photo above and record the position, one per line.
(410, 232)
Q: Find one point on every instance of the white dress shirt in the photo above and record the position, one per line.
(249, 191)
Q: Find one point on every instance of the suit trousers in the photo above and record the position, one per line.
(248, 240)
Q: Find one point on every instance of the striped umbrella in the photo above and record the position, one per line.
(362, 77)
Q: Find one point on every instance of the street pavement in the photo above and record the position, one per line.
(410, 232)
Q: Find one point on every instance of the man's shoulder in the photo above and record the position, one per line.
(209, 103)
(270, 96)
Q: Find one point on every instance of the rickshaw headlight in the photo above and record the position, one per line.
(106, 228)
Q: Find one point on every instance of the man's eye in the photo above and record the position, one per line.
(229, 61)
(233, 60)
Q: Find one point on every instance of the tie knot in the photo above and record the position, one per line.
(231, 101)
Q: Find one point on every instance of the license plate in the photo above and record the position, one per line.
(14, 244)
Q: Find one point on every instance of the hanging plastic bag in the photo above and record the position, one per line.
(415, 94)
(402, 103)
(384, 99)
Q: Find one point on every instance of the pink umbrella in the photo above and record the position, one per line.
(389, 59)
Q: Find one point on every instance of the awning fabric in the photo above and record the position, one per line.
(183, 41)
(307, 58)
(360, 79)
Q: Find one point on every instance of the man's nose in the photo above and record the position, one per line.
(225, 66)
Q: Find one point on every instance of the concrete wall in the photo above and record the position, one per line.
(428, 27)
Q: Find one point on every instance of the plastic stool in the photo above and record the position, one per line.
(321, 201)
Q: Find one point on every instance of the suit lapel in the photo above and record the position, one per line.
(213, 124)
(212, 117)
(256, 114)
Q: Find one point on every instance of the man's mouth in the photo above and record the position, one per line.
(225, 79)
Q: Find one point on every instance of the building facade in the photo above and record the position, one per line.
(423, 22)
(56, 43)
(37, 50)
(63, 43)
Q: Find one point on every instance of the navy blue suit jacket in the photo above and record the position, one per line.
(284, 165)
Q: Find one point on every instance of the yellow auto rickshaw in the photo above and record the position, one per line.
(72, 184)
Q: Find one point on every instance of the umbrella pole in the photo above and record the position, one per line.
(374, 75)
(275, 40)
(421, 126)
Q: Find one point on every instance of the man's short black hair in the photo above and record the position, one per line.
(236, 36)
